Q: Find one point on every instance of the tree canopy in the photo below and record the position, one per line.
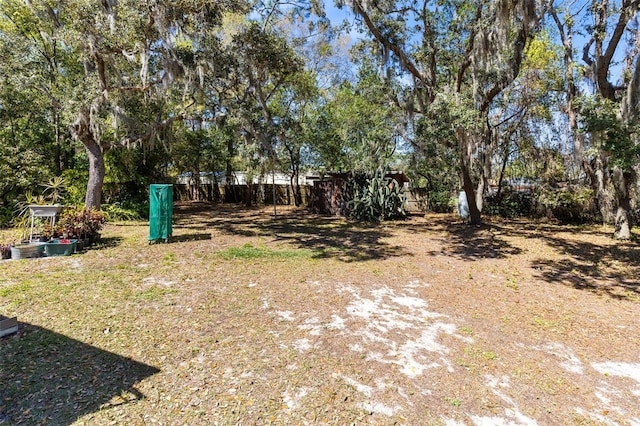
(460, 95)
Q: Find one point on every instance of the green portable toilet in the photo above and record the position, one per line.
(160, 211)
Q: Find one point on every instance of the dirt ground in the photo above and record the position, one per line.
(248, 319)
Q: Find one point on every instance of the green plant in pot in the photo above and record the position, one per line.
(71, 223)
(21, 225)
(22, 248)
(49, 231)
(94, 220)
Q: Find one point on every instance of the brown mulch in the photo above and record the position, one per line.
(246, 318)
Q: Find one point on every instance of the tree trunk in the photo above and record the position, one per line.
(248, 195)
(230, 184)
(505, 160)
(195, 184)
(295, 186)
(82, 131)
(599, 175)
(57, 150)
(465, 146)
(621, 183)
(93, 199)
(577, 136)
(483, 182)
(297, 194)
(469, 190)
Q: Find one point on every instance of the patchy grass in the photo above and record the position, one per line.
(244, 318)
(248, 251)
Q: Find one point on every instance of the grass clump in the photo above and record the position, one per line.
(249, 251)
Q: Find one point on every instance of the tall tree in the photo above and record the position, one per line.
(32, 132)
(138, 67)
(261, 78)
(610, 117)
(369, 123)
(618, 142)
(460, 54)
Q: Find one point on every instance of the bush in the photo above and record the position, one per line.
(510, 203)
(125, 211)
(571, 204)
(77, 222)
(76, 185)
(5, 251)
(6, 215)
(442, 202)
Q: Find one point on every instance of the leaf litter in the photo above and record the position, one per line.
(299, 319)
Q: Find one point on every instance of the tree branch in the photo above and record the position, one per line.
(404, 59)
(467, 54)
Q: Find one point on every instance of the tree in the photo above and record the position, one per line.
(199, 149)
(524, 133)
(460, 56)
(137, 68)
(368, 120)
(433, 162)
(618, 143)
(33, 140)
(610, 115)
(293, 139)
(261, 80)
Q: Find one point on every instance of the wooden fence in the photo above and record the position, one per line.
(260, 193)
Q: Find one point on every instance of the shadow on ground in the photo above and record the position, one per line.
(465, 241)
(327, 236)
(48, 378)
(105, 243)
(592, 261)
(612, 269)
(189, 237)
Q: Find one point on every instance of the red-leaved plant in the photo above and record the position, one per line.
(77, 222)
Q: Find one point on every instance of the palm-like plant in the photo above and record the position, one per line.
(54, 189)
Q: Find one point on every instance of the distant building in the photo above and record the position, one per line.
(213, 186)
(240, 178)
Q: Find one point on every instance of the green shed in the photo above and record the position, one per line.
(160, 212)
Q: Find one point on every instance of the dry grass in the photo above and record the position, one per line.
(247, 319)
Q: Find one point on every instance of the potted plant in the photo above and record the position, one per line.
(24, 248)
(41, 210)
(93, 222)
(71, 222)
(35, 219)
(81, 224)
(49, 231)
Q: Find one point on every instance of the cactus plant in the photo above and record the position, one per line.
(374, 197)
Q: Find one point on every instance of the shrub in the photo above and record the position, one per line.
(442, 202)
(5, 251)
(78, 222)
(51, 231)
(76, 185)
(571, 204)
(510, 203)
(120, 211)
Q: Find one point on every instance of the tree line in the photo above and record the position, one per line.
(116, 94)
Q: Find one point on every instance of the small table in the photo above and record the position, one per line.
(48, 211)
